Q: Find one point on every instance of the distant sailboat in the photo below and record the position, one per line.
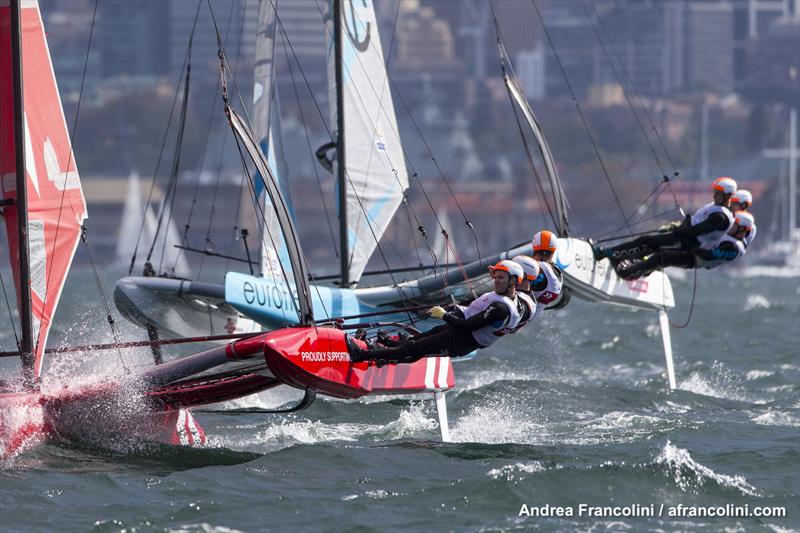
(136, 217)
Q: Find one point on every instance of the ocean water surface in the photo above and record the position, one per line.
(574, 410)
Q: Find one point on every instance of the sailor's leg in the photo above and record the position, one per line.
(643, 246)
(658, 261)
(442, 340)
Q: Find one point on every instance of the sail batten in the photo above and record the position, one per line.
(375, 175)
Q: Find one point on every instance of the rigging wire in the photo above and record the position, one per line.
(73, 135)
(419, 132)
(10, 313)
(225, 67)
(311, 151)
(676, 173)
(324, 122)
(163, 142)
(414, 173)
(510, 77)
(168, 204)
(581, 115)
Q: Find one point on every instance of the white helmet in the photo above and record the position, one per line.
(513, 269)
(724, 184)
(529, 266)
(745, 220)
(742, 196)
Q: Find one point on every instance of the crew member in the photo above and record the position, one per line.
(729, 248)
(489, 317)
(706, 227)
(741, 201)
(548, 287)
(526, 301)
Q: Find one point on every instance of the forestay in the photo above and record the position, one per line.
(56, 206)
(375, 175)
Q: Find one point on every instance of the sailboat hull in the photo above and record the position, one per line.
(317, 358)
(104, 415)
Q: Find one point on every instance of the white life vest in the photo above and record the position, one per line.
(750, 236)
(720, 257)
(552, 293)
(702, 214)
(486, 335)
(531, 304)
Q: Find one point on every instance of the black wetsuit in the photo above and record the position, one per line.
(681, 239)
(665, 258)
(453, 339)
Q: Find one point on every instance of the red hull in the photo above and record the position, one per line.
(98, 413)
(317, 358)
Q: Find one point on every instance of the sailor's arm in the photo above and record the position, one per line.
(726, 250)
(496, 312)
(714, 222)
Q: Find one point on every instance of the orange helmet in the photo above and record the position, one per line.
(724, 184)
(514, 270)
(545, 241)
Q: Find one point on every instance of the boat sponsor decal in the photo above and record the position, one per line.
(562, 252)
(638, 285)
(323, 357)
(268, 295)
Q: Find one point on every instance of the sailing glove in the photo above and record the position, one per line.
(436, 312)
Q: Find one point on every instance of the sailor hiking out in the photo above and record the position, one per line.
(489, 317)
(702, 229)
(728, 249)
(526, 301)
(548, 287)
(741, 201)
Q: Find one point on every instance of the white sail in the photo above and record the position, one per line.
(133, 214)
(267, 129)
(375, 170)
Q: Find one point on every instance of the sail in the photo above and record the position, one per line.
(375, 176)
(136, 217)
(56, 206)
(518, 99)
(266, 120)
(285, 268)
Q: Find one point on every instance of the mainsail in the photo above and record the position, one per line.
(518, 100)
(55, 205)
(374, 174)
(267, 126)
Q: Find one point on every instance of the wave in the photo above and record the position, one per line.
(690, 476)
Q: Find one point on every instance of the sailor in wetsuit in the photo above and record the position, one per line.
(729, 248)
(548, 287)
(706, 226)
(741, 201)
(486, 319)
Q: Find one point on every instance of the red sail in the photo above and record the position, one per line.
(56, 207)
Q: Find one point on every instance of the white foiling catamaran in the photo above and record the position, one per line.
(372, 179)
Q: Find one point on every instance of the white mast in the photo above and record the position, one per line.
(792, 226)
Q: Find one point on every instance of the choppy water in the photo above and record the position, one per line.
(572, 411)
